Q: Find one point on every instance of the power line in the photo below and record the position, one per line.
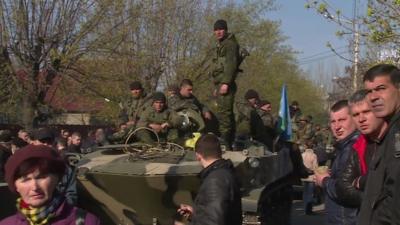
(320, 58)
(320, 53)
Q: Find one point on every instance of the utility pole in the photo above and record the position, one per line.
(352, 25)
(356, 46)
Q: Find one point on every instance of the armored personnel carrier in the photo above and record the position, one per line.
(145, 184)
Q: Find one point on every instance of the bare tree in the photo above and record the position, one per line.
(44, 39)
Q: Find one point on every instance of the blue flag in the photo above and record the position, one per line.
(284, 122)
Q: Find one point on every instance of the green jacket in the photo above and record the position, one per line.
(178, 103)
(226, 61)
(267, 118)
(150, 116)
(244, 117)
(134, 107)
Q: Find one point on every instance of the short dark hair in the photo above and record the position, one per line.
(339, 105)
(186, 82)
(358, 96)
(208, 146)
(383, 70)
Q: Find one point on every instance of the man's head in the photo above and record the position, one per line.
(186, 88)
(172, 90)
(361, 111)
(43, 136)
(220, 29)
(303, 120)
(295, 105)
(252, 97)
(24, 135)
(65, 133)
(136, 89)
(76, 139)
(342, 125)
(159, 100)
(382, 82)
(208, 149)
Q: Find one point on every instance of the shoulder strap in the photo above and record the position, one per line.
(80, 217)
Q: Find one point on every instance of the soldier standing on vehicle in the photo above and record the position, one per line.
(226, 68)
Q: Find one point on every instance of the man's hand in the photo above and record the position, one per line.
(156, 127)
(164, 126)
(207, 115)
(223, 90)
(185, 210)
(319, 177)
(131, 123)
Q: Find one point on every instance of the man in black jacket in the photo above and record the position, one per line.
(381, 201)
(218, 201)
(351, 182)
(344, 130)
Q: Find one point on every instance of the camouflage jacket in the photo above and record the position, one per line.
(267, 118)
(134, 107)
(151, 116)
(244, 117)
(178, 103)
(226, 61)
(305, 133)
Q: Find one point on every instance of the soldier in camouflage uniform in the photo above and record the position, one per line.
(304, 130)
(264, 111)
(226, 68)
(160, 119)
(131, 111)
(186, 100)
(249, 123)
(135, 105)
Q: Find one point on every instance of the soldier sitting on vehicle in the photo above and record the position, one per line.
(304, 130)
(264, 111)
(136, 105)
(158, 118)
(190, 108)
(186, 100)
(248, 122)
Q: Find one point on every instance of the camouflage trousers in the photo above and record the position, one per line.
(148, 137)
(225, 115)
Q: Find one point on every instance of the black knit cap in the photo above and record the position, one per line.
(136, 85)
(251, 94)
(220, 25)
(159, 96)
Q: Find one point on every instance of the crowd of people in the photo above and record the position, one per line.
(359, 188)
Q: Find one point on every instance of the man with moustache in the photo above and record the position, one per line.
(351, 182)
(381, 198)
(344, 130)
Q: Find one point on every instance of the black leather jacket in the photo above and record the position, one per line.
(336, 213)
(347, 194)
(218, 201)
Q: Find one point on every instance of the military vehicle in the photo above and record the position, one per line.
(145, 184)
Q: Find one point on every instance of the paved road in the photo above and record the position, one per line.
(299, 218)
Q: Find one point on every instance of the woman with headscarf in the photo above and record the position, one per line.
(34, 172)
